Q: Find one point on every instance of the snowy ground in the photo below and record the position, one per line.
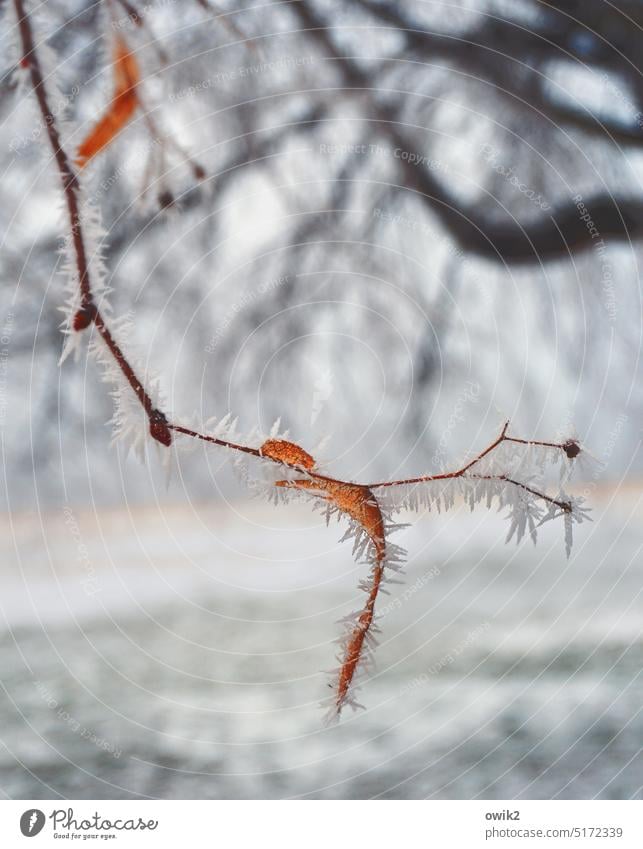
(179, 652)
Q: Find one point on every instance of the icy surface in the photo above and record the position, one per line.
(182, 652)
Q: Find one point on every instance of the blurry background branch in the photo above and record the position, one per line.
(513, 58)
(507, 239)
(388, 216)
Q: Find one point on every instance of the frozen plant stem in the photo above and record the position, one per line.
(88, 312)
(367, 514)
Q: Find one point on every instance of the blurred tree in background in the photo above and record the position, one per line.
(397, 222)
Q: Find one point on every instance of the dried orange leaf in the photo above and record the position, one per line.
(355, 500)
(355, 644)
(287, 452)
(121, 108)
(360, 504)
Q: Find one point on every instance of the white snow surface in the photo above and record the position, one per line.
(182, 650)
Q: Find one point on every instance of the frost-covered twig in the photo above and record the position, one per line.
(88, 313)
(505, 472)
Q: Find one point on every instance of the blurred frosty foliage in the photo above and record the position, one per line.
(415, 221)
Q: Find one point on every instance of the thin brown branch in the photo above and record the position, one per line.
(565, 506)
(140, 21)
(225, 17)
(67, 175)
(359, 503)
(89, 313)
(356, 501)
(159, 425)
(562, 446)
(186, 431)
(359, 634)
(486, 451)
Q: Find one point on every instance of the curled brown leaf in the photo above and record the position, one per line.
(359, 504)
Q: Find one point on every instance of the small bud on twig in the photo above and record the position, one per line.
(198, 171)
(83, 317)
(166, 199)
(367, 507)
(159, 429)
(287, 452)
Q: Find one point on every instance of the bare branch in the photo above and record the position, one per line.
(545, 237)
(354, 501)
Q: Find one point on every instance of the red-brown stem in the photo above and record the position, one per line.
(219, 15)
(355, 643)
(534, 442)
(565, 506)
(458, 473)
(216, 441)
(161, 429)
(69, 180)
(488, 450)
(140, 21)
(67, 174)
(133, 14)
(359, 503)
(90, 313)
